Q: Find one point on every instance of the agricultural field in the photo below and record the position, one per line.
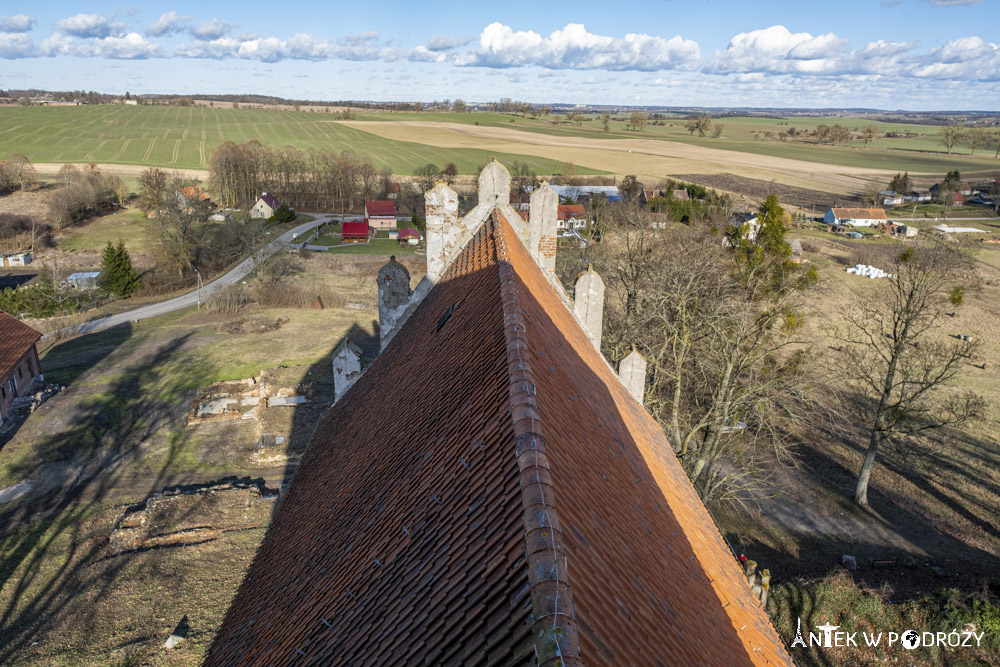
(747, 134)
(185, 137)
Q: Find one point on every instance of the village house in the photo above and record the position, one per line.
(528, 510)
(380, 214)
(16, 259)
(191, 196)
(855, 217)
(265, 206)
(19, 366)
(409, 236)
(356, 231)
(571, 216)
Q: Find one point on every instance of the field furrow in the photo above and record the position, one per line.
(177, 149)
(145, 157)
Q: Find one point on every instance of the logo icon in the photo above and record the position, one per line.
(911, 639)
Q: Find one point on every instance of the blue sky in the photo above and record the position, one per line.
(889, 54)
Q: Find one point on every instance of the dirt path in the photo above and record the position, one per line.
(123, 170)
(647, 158)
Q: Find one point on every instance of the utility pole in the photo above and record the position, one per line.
(198, 273)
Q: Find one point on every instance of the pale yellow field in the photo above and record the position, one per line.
(649, 159)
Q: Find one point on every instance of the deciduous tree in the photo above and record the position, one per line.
(950, 136)
(894, 358)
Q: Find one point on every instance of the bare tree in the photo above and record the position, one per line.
(21, 171)
(839, 134)
(68, 173)
(950, 136)
(717, 130)
(450, 172)
(893, 358)
(638, 120)
(977, 137)
(606, 121)
(153, 189)
(426, 175)
(868, 134)
(871, 194)
(713, 324)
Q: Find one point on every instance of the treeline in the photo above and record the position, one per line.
(22, 232)
(85, 193)
(298, 178)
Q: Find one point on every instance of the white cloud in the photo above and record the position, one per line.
(132, 46)
(300, 47)
(17, 23)
(967, 58)
(575, 48)
(778, 50)
(213, 29)
(169, 23)
(89, 25)
(16, 45)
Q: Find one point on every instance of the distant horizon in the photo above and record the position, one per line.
(680, 107)
(869, 54)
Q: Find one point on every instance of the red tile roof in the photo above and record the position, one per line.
(16, 338)
(409, 233)
(357, 229)
(528, 510)
(381, 208)
(567, 211)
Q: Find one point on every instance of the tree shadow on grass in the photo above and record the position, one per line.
(54, 549)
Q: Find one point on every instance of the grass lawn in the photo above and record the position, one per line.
(130, 226)
(382, 247)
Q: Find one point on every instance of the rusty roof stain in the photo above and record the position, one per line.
(527, 511)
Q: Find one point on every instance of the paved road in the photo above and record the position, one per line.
(190, 299)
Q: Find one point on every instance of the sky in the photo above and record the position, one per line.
(884, 54)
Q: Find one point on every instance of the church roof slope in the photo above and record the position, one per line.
(527, 511)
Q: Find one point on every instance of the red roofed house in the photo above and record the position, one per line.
(381, 214)
(18, 361)
(409, 236)
(355, 231)
(571, 216)
(530, 511)
(265, 206)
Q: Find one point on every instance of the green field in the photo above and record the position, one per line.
(185, 137)
(921, 154)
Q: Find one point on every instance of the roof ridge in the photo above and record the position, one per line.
(557, 642)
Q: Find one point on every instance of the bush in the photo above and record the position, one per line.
(229, 299)
(282, 214)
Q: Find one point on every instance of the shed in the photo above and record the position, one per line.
(16, 259)
(356, 231)
(409, 236)
(84, 279)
